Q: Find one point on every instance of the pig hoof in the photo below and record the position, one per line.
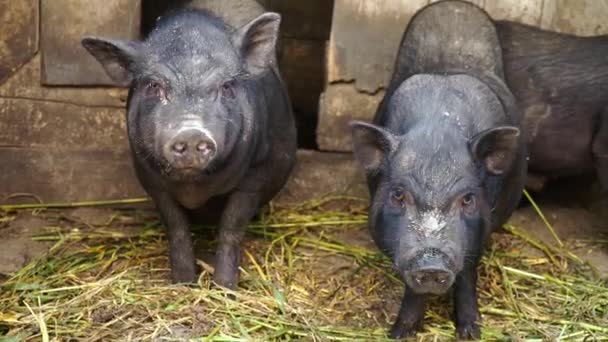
(400, 330)
(468, 332)
(184, 278)
(226, 281)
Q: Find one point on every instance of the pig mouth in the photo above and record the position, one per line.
(187, 173)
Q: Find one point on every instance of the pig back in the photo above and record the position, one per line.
(450, 35)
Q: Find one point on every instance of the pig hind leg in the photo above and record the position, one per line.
(411, 315)
(600, 150)
(239, 210)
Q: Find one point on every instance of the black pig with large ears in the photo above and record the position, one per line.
(445, 160)
(209, 121)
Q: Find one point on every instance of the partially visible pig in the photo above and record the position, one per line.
(209, 121)
(445, 160)
(561, 84)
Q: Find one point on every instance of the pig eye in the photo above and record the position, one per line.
(155, 89)
(228, 89)
(469, 203)
(400, 197)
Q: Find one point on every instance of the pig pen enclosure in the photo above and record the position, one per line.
(83, 256)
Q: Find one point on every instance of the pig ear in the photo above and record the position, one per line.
(257, 40)
(371, 143)
(496, 148)
(117, 57)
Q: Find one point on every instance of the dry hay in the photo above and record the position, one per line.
(309, 273)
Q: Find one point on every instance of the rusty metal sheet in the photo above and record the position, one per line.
(65, 22)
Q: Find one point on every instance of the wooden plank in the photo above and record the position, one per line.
(19, 36)
(522, 11)
(53, 125)
(67, 175)
(338, 105)
(84, 175)
(65, 22)
(364, 40)
(25, 84)
(319, 173)
(580, 17)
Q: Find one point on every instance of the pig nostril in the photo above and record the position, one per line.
(441, 277)
(179, 147)
(205, 148)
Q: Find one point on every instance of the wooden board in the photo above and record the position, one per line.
(78, 175)
(65, 22)
(55, 125)
(345, 103)
(25, 84)
(581, 17)
(364, 40)
(18, 36)
(523, 11)
(67, 175)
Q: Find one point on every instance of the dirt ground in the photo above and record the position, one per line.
(356, 296)
(583, 228)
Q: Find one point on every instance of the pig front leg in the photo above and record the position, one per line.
(239, 210)
(181, 254)
(600, 150)
(411, 315)
(466, 312)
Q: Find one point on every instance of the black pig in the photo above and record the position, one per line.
(209, 121)
(445, 159)
(561, 84)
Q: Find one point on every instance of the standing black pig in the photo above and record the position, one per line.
(445, 159)
(561, 84)
(209, 121)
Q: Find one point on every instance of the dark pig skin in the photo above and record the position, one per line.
(445, 160)
(210, 125)
(561, 84)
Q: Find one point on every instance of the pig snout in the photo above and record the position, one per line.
(431, 271)
(190, 148)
